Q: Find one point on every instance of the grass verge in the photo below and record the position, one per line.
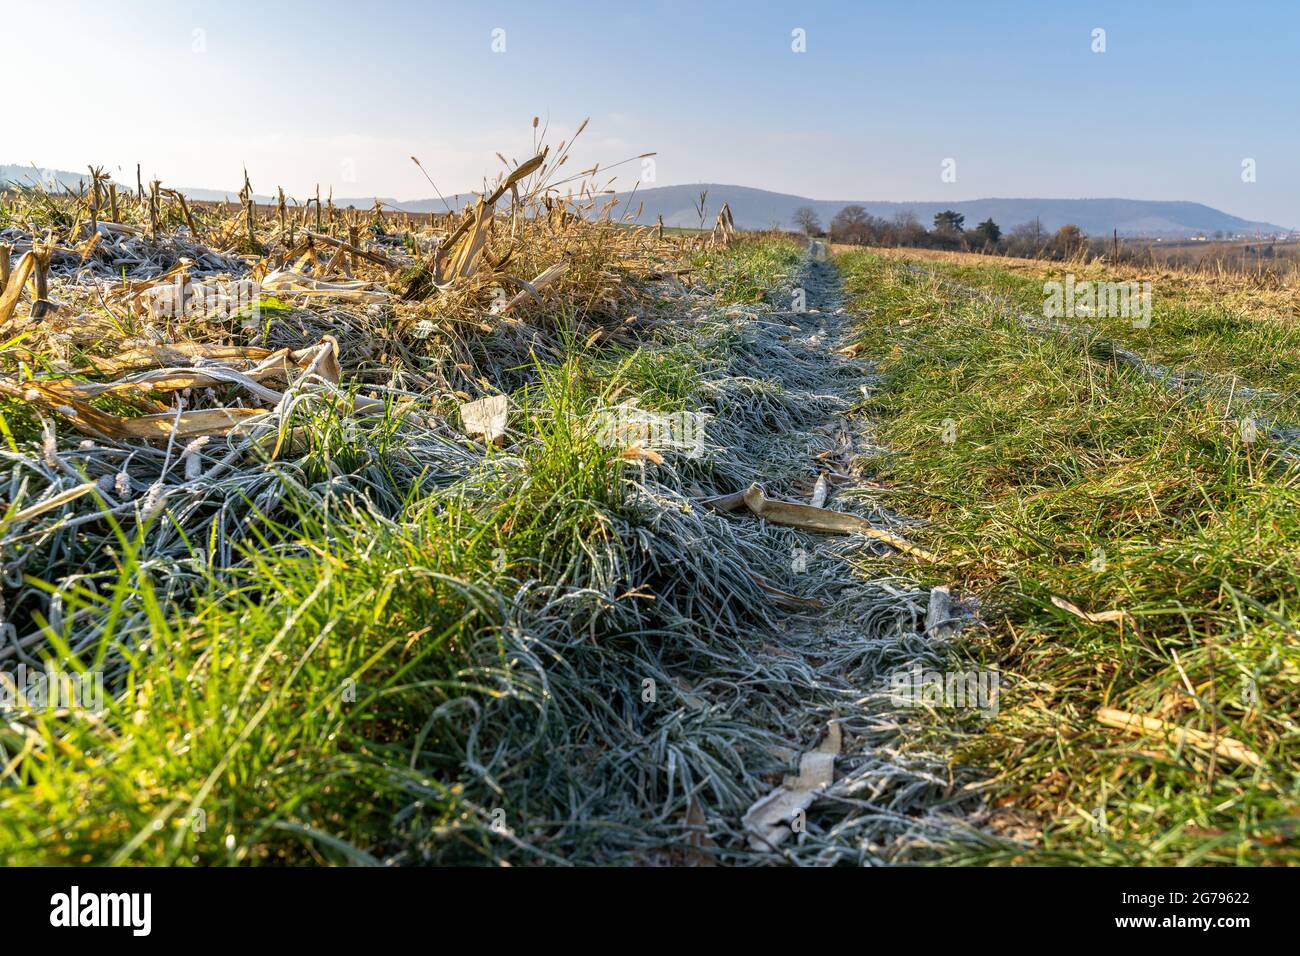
(1240, 327)
(1046, 471)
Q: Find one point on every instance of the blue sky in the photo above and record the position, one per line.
(345, 93)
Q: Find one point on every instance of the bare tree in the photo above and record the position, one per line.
(851, 224)
(805, 217)
(908, 230)
(1026, 240)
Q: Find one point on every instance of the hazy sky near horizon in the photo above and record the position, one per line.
(345, 93)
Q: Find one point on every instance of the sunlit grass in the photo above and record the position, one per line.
(1044, 470)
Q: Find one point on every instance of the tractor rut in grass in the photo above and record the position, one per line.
(832, 770)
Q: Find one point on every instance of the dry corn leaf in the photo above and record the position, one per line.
(724, 503)
(464, 254)
(175, 353)
(1136, 723)
(545, 278)
(486, 417)
(49, 504)
(17, 279)
(203, 421)
(1100, 617)
(809, 518)
(86, 248)
(160, 380)
(637, 453)
(768, 820)
(92, 421)
(321, 360)
(820, 490)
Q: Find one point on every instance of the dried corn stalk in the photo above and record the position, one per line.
(724, 229)
(1172, 733)
(14, 288)
(291, 283)
(466, 241)
(90, 420)
(71, 397)
(532, 289)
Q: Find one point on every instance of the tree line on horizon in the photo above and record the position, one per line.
(853, 225)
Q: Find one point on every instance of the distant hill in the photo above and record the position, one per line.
(49, 178)
(60, 179)
(760, 208)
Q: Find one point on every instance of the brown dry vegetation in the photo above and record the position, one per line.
(1255, 293)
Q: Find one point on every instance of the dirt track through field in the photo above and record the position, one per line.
(821, 677)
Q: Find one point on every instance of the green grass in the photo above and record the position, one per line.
(1065, 474)
(749, 269)
(1226, 327)
(309, 701)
